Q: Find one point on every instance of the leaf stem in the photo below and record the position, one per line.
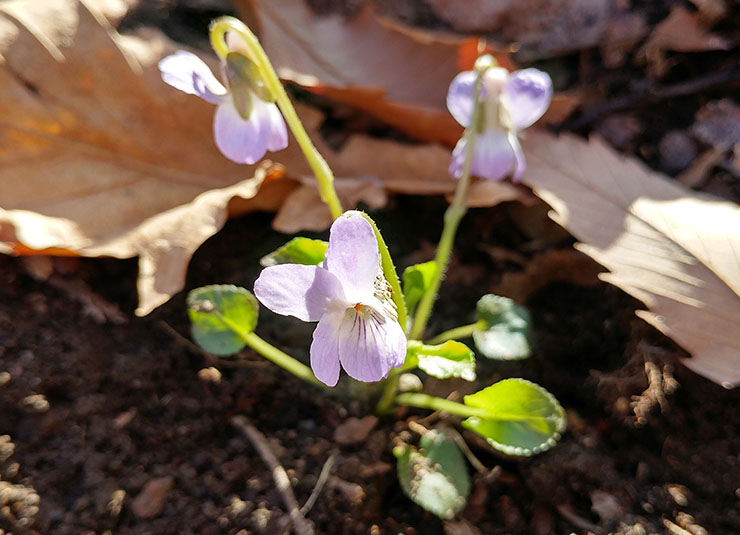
(282, 359)
(324, 176)
(425, 401)
(272, 353)
(453, 215)
(458, 333)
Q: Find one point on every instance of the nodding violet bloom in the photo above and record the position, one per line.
(511, 102)
(247, 122)
(350, 299)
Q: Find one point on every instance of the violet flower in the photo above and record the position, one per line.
(245, 126)
(511, 102)
(349, 297)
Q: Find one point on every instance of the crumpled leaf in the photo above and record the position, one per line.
(98, 157)
(397, 74)
(674, 249)
(680, 31)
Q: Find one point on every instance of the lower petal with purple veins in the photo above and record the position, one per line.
(370, 344)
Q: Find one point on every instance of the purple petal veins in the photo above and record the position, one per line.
(356, 328)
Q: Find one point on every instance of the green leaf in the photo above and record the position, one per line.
(297, 251)
(519, 417)
(435, 476)
(218, 313)
(450, 359)
(416, 281)
(505, 331)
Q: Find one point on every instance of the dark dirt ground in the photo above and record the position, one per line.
(97, 405)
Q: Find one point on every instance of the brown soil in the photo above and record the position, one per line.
(98, 405)
(124, 405)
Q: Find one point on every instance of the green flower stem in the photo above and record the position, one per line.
(324, 176)
(385, 404)
(389, 270)
(458, 333)
(282, 359)
(453, 215)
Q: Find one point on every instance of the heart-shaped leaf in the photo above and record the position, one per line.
(518, 417)
(504, 331)
(434, 476)
(219, 315)
(443, 361)
(297, 251)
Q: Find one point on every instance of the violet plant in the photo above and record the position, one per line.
(369, 322)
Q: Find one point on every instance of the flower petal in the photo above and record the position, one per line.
(520, 163)
(277, 139)
(526, 95)
(304, 292)
(494, 157)
(370, 344)
(460, 97)
(325, 349)
(243, 141)
(188, 73)
(353, 256)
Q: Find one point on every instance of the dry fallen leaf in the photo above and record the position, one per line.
(98, 157)
(676, 250)
(396, 74)
(680, 31)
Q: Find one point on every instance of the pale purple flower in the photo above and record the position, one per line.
(349, 298)
(243, 140)
(511, 102)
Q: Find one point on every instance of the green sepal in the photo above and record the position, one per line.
(443, 361)
(297, 251)
(435, 476)
(416, 281)
(521, 418)
(219, 314)
(243, 74)
(505, 331)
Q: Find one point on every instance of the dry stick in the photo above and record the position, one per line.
(279, 475)
(323, 477)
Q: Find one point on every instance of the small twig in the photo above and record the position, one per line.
(323, 477)
(571, 516)
(460, 441)
(279, 475)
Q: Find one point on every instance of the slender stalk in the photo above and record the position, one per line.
(425, 401)
(453, 215)
(324, 176)
(272, 353)
(282, 359)
(389, 270)
(458, 333)
(387, 399)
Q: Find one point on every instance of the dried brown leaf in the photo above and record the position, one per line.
(676, 250)
(396, 74)
(681, 31)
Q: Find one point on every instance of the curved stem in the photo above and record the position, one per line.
(387, 399)
(457, 333)
(324, 176)
(425, 401)
(282, 359)
(453, 215)
(389, 270)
